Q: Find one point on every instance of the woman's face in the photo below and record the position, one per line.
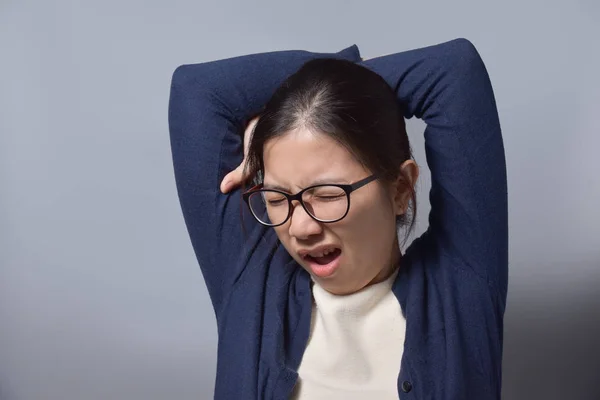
(365, 240)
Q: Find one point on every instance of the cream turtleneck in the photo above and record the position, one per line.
(355, 346)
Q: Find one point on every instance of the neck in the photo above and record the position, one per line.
(390, 267)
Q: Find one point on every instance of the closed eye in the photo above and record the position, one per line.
(332, 197)
(276, 202)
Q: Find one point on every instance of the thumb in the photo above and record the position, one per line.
(232, 179)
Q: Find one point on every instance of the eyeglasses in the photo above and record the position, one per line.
(324, 202)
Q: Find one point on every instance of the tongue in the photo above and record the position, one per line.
(328, 258)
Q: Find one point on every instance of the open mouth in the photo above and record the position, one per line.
(324, 264)
(326, 258)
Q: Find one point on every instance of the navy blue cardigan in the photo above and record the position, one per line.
(453, 279)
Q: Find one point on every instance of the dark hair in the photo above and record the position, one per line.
(347, 102)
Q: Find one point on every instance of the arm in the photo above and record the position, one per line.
(209, 106)
(447, 85)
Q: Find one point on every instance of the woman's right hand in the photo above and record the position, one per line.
(235, 178)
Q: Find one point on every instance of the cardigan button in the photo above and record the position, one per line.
(406, 386)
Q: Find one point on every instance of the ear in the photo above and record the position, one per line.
(405, 184)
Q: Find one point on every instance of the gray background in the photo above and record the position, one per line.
(100, 293)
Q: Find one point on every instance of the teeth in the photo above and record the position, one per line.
(322, 253)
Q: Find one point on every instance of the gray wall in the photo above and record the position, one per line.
(100, 294)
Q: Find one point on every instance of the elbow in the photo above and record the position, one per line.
(466, 53)
(180, 83)
(189, 95)
(465, 48)
(466, 60)
(182, 76)
(189, 78)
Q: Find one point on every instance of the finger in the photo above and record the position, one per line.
(231, 180)
(226, 183)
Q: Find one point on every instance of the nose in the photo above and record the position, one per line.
(302, 225)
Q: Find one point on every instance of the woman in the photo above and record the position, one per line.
(339, 311)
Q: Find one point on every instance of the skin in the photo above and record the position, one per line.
(367, 236)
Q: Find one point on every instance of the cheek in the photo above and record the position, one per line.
(282, 235)
(370, 226)
(374, 210)
(285, 239)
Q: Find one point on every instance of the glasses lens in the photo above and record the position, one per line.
(269, 207)
(326, 203)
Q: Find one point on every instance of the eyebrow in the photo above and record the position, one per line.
(322, 181)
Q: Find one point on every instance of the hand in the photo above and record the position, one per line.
(235, 177)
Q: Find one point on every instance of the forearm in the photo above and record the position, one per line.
(436, 82)
(243, 85)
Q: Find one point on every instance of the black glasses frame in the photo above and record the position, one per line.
(298, 197)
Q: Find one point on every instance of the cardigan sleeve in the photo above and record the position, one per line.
(447, 86)
(210, 104)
